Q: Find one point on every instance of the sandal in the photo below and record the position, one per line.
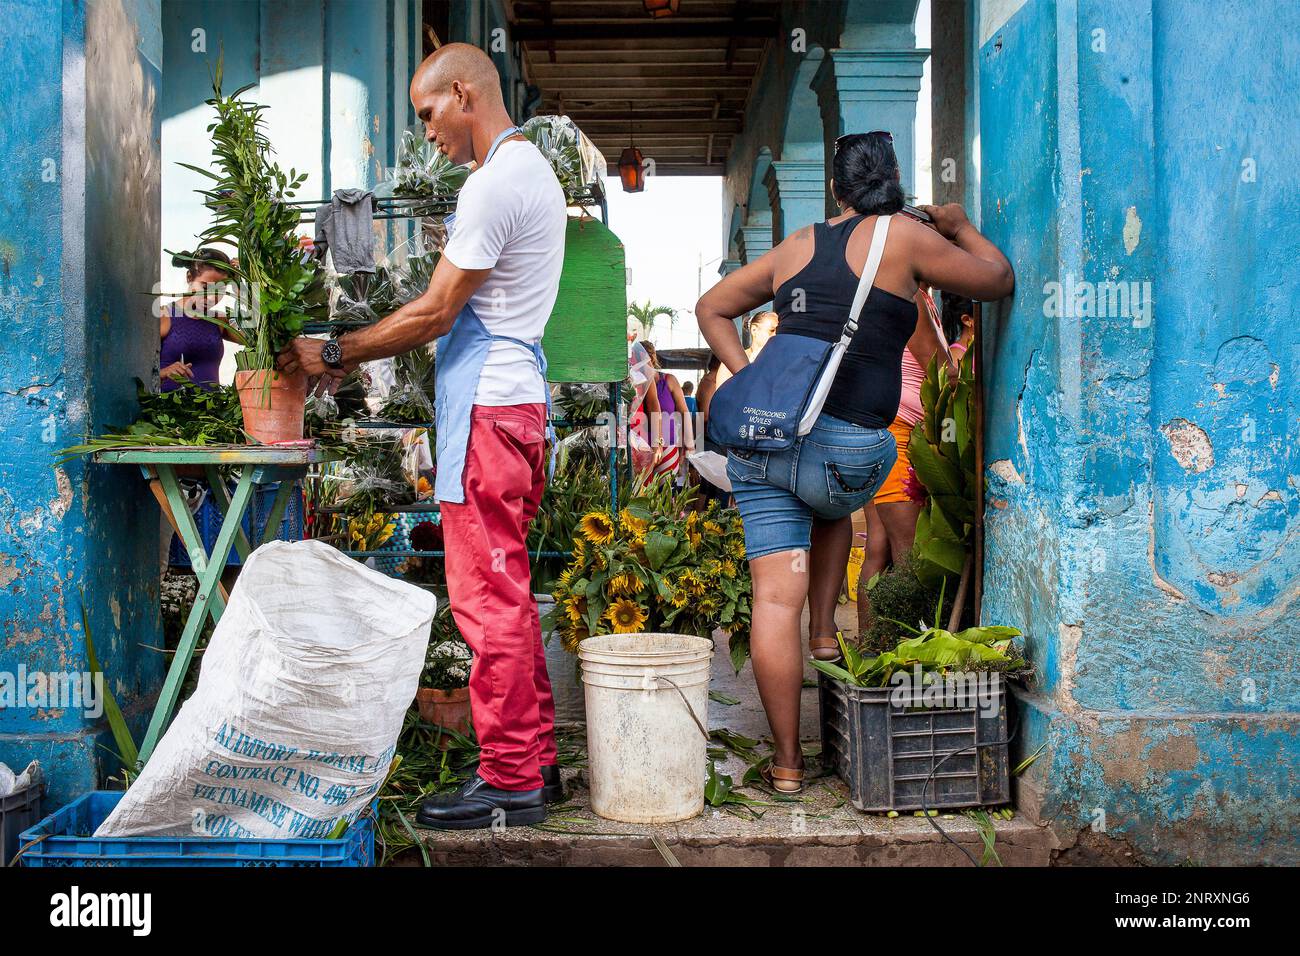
(825, 648)
(782, 779)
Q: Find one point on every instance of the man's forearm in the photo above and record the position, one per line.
(414, 324)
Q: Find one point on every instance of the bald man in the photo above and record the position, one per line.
(487, 305)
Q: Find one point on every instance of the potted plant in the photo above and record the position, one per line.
(443, 696)
(276, 285)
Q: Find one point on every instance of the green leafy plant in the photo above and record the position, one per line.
(658, 565)
(933, 649)
(423, 172)
(187, 415)
(127, 753)
(411, 399)
(579, 486)
(942, 452)
(277, 287)
(895, 594)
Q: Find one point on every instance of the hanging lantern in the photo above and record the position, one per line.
(660, 8)
(631, 170)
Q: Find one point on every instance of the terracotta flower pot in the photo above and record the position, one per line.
(276, 413)
(446, 708)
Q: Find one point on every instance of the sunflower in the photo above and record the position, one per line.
(681, 597)
(626, 584)
(566, 577)
(625, 616)
(736, 548)
(713, 528)
(572, 636)
(690, 582)
(576, 608)
(631, 523)
(728, 568)
(597, 527)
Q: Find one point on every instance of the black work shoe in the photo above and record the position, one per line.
(478, 805)
(552, 786)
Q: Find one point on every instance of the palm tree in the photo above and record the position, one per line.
(645, 313)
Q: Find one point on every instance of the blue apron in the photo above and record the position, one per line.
(461, 354)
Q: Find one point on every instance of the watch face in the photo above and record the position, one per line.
(332, 353)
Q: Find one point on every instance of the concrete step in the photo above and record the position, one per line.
(820, 829)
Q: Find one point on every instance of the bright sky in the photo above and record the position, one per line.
(668, 230)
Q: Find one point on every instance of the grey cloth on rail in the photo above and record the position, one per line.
(344, 226)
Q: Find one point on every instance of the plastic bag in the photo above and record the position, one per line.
(301, 695)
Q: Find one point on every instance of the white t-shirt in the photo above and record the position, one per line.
(510, 218)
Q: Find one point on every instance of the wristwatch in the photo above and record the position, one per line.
(332, 354)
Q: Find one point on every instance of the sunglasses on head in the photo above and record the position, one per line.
(889, 137)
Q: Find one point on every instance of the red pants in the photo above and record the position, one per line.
(491, 594)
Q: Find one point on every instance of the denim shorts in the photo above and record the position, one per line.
(829, 473)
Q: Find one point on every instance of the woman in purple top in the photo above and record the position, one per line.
(192, 347)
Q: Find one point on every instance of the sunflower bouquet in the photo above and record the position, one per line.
(656, 566)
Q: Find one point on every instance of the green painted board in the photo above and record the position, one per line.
(586, 336)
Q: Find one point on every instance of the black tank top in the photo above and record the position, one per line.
(870, 378)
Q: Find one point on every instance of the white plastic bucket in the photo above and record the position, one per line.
(645, 751)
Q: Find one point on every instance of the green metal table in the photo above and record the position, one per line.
(255, 465)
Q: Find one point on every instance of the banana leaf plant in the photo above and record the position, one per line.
(933, 649)
(942, 452)
(278, 287)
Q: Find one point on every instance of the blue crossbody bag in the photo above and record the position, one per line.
(778, 397)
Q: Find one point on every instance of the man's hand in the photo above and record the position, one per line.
(303, 355)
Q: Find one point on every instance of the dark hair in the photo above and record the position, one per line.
(207, 257)
(866, 174)
(954, 307)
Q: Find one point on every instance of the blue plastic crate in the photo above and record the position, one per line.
(209, 518)
(66, 840)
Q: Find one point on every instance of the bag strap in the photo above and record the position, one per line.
(879, 231)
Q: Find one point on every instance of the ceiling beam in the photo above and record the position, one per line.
(670, 29)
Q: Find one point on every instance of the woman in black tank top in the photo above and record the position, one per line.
(796, 504)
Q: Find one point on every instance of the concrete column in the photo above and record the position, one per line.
(863, 90)
(797, 189)
(79, 180)
(755, 237)
(948, 143)
(1140, 450)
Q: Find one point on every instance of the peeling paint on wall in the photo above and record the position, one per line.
(1189, 445)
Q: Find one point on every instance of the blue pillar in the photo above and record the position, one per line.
(1142, 507)
(755, 237)
(863, 90)
(797, 189)
(80, 186)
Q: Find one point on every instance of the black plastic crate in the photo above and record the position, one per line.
(885, 751)
(18, 811)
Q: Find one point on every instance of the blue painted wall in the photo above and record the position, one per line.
(78, 259)
(1143, 498)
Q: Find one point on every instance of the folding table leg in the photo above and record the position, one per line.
(207, 602)
(222, 499)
